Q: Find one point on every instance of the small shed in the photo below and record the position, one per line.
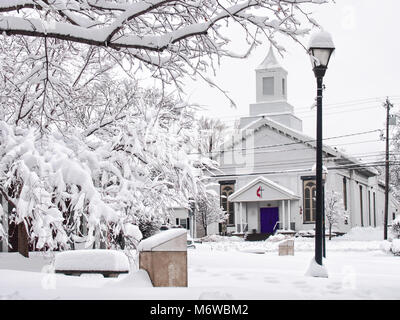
(164, 257)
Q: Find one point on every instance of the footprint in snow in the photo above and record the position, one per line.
(335, 286)
(301, 284)
(270, 280)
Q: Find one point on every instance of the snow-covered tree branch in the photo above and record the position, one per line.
(172, 38)
(95, 184)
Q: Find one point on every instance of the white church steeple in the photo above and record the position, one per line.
(271, 79)
(271, 95)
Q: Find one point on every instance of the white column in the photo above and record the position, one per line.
(283, 215)
(289, 215)
(241, 217)
(237, 214)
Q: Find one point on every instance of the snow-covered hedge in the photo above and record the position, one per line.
(395, 247)
(391, 246)
(395, 228)
(218, 238)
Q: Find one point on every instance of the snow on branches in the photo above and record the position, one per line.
(208, 210)
(98, 183)
(334, 210)
(171, 38)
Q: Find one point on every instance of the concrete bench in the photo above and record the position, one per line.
(286, 248)
(109, 263)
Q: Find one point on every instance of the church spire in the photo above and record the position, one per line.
(270, 79)
(271, 94)
(270, 61)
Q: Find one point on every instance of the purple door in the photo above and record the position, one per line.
(268, 219)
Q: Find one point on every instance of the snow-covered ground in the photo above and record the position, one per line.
(358, 269)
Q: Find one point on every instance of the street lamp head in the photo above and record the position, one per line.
(320, 49)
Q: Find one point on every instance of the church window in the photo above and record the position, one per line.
(309, 198)
(268, 86)
(283, 87)
(228, 207)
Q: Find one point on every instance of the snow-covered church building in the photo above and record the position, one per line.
(265, 178)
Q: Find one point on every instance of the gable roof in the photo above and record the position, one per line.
(299, 137)
(286, 194)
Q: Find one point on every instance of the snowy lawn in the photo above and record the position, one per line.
(223, 270)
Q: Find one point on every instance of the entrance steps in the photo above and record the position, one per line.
(257, 236)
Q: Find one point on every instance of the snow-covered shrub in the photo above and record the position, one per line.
(218, 238)
(208, 210)
(385, 246)
(149, 227)
(395, 247)
(395, 228)
(276, 238)
(334, 210)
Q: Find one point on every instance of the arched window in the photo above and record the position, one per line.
(309, 199)
(226, 191)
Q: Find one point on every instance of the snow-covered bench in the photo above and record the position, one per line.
(109, 263)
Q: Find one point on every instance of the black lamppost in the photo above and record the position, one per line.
(324, 177)
(320, 50)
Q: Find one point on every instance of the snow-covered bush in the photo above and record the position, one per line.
(276, 238)
(208, 210)
(395, 228)
(395, 247)
(218, 238)
(334, 210)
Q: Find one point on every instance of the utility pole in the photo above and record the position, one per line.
(387, 105)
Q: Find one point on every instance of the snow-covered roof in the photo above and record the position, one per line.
(270, 61)
(298, 136)
(287, 194)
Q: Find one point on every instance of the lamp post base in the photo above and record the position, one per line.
(316, 270)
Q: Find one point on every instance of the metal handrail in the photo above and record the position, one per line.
(276, 224)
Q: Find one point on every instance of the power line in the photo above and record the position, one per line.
(328, 107)
(292, 162)
(289, 143)
(354, 167)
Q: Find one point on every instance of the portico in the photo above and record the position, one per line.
(263, 206)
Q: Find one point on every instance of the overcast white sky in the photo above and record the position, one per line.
(364, 70)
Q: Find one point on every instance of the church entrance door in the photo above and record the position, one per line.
(268, 219)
